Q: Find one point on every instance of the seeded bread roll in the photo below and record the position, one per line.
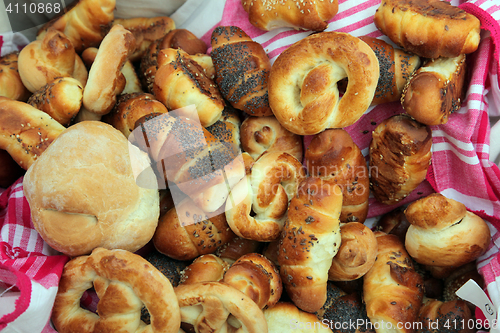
(437, 316)
(11, 85)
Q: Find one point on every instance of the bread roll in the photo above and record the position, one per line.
(444, 233)
(392, 289)
(400, 154)
(437, 316)
(185, 40)
(334, 157)
(309, 241)
(284, 317)
(241, 70)
(261, 134)
(303, 91)
(205, 268)
(428, 28)
(84, 195)
(11, 85)
(435, 90)
(308, 15)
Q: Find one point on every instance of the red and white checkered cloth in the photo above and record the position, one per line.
(460, 163)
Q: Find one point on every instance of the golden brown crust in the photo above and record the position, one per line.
(124, 282)
(205, 268)
(11, 85)
(241, 70)
(334, 157)
(400, 154)
(315, 64)
(429, 28)
(307, 15)
(185, 40)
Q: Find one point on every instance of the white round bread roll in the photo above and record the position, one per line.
(83, 195)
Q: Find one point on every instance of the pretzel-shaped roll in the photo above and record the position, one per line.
(123, 282)
(218, 307)
(303, 92)
(267, 190)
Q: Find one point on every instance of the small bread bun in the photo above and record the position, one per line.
(11, 85)
(205, 268)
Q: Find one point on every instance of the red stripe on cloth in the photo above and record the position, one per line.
(23, 284)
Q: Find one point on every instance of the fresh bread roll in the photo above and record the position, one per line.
(310, 239)
(357, 252)
(396, 67)
(10, 171)
(438, 316)
(26, 132)
(205, 268)
(185, 232)
(256, 277)
(334, 157)
(45, 59)
(82, 22)
(303, 91)
(227, 128)
(256, 208)
(444, 233)
(145, 30)
(129, 108)
(428, 28)
(218, 307)
(400, 154)
(11, 85)
(61, 99)
(105, 78)
(306, 15)
(83, 194)
(284, 317)
(392, 289)
(241, 70)
(261, 134)
(435, 90)
(180, 82)
(236, 248)
(123, 281)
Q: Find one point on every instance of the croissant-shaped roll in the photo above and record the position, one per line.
(444, 233)
(241, 70)
(400, 154)
(83, 22)
(392, 289)
(303, 90)
(309, 241)
(11, 85)
(61, 99)
(261, 134)
(356, 255)
(266, 191)
(207, 267)
(429, 28)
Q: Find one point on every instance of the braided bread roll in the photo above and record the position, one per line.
(309, 241)
(11, 85)
(242, 70)
(392, 289)
(334, 157)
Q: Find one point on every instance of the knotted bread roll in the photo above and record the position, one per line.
(303, 91)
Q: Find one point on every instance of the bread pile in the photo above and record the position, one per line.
(133, 137)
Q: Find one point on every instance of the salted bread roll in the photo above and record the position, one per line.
(83, 193)
(333, 156)
(306, 15)
(444, 233)
(11, 85)
(429, 28)
(309, 241)
(392, 289)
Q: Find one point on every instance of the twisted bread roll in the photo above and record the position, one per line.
(303, 92)
(205, 268)
(444, 233)
(261, 134)
(308, 15)
(437, 316)
(435, 90)
(241, 70)
(256, 277)
(83, 22)
(272, 182)
(400, 154)
(61, 99)
(284, 317)
(392, 289)
(309, 241)
(25, 132)
(236, 248)
(429, 28)
(123, 282)
(45, 59)
(334, 157)
(11, 85)
(356, 255)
